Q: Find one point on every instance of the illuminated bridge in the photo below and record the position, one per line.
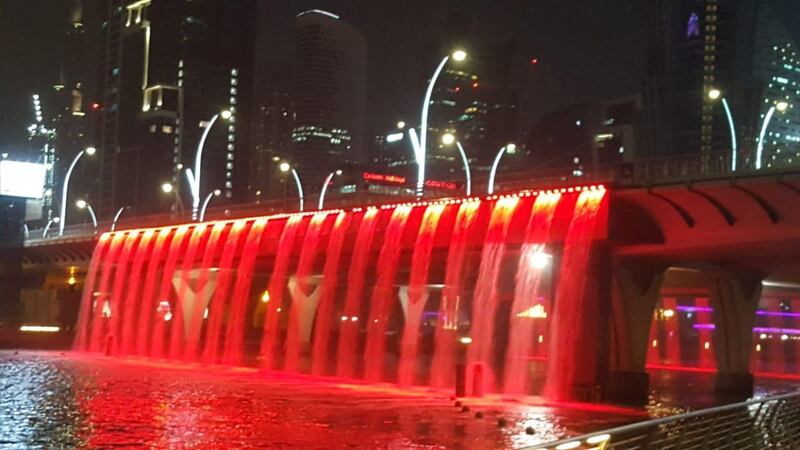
(556, 285)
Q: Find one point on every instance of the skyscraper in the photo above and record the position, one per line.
(742, 49)
(328, 95)
(166, 69)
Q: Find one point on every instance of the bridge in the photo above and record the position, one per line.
(666, 228)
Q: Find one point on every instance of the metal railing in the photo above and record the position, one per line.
(772, 422)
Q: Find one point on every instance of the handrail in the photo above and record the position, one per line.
(630, 431)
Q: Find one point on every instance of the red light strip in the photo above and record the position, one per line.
(414, 204)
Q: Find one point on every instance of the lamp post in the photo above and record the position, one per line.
(449, 139)
(420, 143)
(194, 176)
(715, 94)
(83, 204)
(510, 148)
(285, 167)
(214, 193)
(49, 224)
(325, 187)
(65, 188)
(781, 107)
(167, 188)
(116, 217)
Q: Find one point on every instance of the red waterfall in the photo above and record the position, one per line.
(150, 304)
(132, 303)
(446, 337)
(417, 293)
(528, 312)
(203, 288)
(114, 311)
(102, 300)
(87, 300)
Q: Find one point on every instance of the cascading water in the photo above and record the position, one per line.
(203, 288)
(130, 309)
(417, 295)
(114, 312)
(182, 309)
(480, 377)
(216, 308)
(383, 296)
(330, 277)
(348, 329)
(151, 305)
(527, 311)
(232, 353)
(85, 315)
(165, 291)
(102, 300)
(571, 365)
(304, 296)
(277, 284)
(446, 335)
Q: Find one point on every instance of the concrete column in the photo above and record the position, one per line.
(734, 298)
(635, 289)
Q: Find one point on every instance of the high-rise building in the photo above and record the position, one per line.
(328, 95)
(742, 49)
(273, 125)
(165, 69)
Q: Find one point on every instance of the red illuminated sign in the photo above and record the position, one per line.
(397, 179)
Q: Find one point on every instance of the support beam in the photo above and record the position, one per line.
(734, 298)
(635, 290)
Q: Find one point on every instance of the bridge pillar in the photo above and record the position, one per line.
(635, 289)
(734, 298)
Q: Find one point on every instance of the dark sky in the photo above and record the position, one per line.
(589, 49)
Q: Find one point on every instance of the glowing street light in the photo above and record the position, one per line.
(65, 188)
(715, 94)
(510, 149)
(83, 204)
(780, 107)
(214, 193)
(168, 188)
(325, 187)
(286, 167)
(449, 139)
(194, 176)
(49, 224)
(420, 144)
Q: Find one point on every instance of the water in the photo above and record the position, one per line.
(52, 400)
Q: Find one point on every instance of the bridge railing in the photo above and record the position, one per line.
(646, 172)
(772, 422)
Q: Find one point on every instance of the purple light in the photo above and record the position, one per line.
(759, 312)
(693, 26)
(711, 326)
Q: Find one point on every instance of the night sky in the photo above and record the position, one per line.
(588, 50)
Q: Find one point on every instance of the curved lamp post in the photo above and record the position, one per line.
(49, 224)
(325, 187)
(83, 204)
(214, 193)
(510, 148)
(715, 94)
(285, 167)
(420, 143)
(116, 217)
(781, 107)
(449, 139)
(194, 176)
(65, 188)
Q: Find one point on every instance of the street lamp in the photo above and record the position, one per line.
(420, 143)
(168, 188)
(325, 187)
(83, 204)
(510, 149)
(194, 176)
(49, 224)
(65, 188)
(781, 107)
(449, 139)
(715, 94)
(119, 213)
(214, 193)
(285, 167)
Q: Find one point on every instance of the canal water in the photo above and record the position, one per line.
(67, 400)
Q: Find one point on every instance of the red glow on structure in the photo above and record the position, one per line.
(441, 184)
(386, 178)
(457, 89)
(96, 106)
(535, 61)
(475, 85)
